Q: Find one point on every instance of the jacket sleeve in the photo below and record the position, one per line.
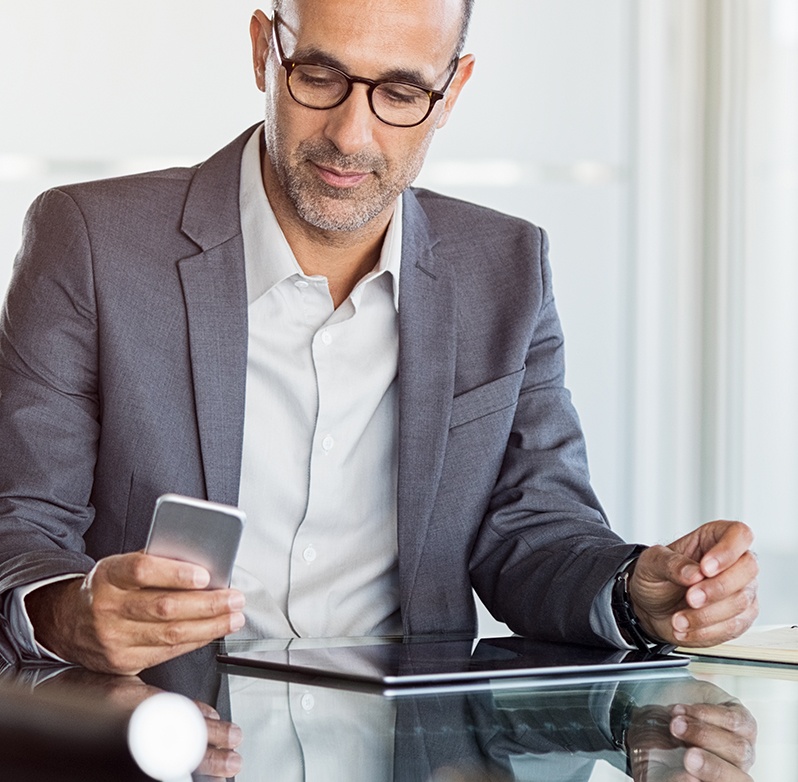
(545, 551)
(49, 399)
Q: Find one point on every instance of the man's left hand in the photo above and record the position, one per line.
(699, 590)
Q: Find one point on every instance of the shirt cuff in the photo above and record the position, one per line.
(30, 650)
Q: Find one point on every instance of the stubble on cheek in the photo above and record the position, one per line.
(331, 208)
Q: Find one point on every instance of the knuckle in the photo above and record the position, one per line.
(743, 601)
(105, 609)
(164, 607)
(719, 590)
(139, 568)
(743, 530)
(739, 624)
(735, 721)
(742, 751)
(116, 660)
(173, 635)
(220, 604)
(117, 657)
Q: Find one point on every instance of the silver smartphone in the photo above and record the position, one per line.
(198, 531)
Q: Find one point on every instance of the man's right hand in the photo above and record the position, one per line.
(132, 611)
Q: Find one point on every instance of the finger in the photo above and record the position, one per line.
(129, 660)
(717, 545)
(731, 716)
(220, 764)
(153, 605)
(707, 767)
(731, 747)
(717, 622)
(197, 632)
(223, 735)
(734, 542)
(138, 570)
(728, 582)
(661, 563)
(130, 695)
(207, 711)
(125, 647)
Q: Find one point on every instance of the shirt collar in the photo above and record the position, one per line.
(268, 258)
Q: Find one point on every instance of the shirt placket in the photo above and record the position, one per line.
(310, 550)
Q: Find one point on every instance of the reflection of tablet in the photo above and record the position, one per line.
(445, 661)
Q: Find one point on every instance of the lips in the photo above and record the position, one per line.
(341, 179)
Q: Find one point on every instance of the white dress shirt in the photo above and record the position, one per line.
(318, 475)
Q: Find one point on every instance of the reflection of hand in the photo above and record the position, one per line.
(692, 743)
(133, 611)
(127, 692)
(119, 692)
(221, 761)
(699, 590)
(723, 739)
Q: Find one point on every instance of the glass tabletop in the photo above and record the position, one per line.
(744, 716)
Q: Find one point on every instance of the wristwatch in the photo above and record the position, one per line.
(629, 625)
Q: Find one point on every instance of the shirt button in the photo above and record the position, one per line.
(301, 284)
(309, 554)
(326, 337)
(327, 443)
(308, 701)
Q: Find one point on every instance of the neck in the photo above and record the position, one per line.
(343, 257)
(343, 263)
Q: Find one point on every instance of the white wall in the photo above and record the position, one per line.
(543, 132)
(591, 119)
(92, 88)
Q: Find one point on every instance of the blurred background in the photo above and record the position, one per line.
(655, 140)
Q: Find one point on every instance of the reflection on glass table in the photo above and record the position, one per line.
(305, 732)
(648, 728)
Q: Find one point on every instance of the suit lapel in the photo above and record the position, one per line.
(214, 287)
(427, 343)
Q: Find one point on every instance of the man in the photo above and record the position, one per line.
(374, 373)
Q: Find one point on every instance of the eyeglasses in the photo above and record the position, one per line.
(397, 103)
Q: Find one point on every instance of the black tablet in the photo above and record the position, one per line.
(403, 662)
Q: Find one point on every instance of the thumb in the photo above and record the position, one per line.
(661, 563)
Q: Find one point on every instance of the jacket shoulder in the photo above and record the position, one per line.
(465, 217)
(120, 193)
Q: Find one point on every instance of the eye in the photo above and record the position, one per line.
(402, 94)
(316, 77)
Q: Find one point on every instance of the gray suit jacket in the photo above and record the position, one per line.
(123, 348)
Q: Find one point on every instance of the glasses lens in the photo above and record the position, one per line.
(317, 86)
(400, 104)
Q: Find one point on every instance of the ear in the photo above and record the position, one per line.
(465, 67)
(260, 31)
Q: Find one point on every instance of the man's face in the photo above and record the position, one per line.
(338, 169)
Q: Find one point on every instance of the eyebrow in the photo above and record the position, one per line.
(313, 56)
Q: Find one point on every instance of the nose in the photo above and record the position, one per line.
(350, 126)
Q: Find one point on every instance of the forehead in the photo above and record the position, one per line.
(371, 37)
